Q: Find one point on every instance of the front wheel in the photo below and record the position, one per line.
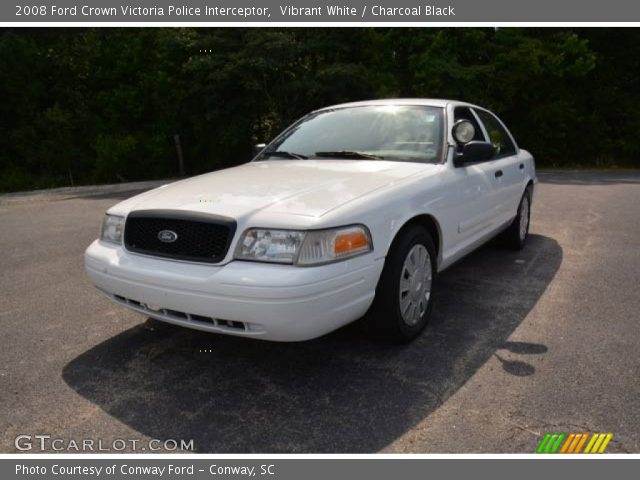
(404, 295)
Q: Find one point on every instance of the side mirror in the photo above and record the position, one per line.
(258, 147)
(474, 152)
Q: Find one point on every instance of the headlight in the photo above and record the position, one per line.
(112, 227)
(304, 248)
(276, 246)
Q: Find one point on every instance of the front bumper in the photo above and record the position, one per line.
(259, 300)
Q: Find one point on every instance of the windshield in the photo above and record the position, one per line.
(384, 132)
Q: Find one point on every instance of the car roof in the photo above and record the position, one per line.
(431, 102)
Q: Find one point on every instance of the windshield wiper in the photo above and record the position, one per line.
(349, 154)
(283, 154)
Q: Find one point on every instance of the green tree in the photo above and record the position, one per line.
(103, 105)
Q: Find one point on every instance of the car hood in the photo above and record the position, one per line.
(299, 187)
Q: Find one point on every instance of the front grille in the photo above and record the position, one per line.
(167, 314)
(188, 236)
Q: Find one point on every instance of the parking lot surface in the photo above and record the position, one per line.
(521, 344)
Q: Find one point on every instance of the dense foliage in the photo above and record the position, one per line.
(103, 105)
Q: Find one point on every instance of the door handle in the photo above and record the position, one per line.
(498, 173)
(522, 166)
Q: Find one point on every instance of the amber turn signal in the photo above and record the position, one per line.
(351, 242)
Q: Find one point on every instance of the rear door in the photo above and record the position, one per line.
(507, 172)
(472, 213)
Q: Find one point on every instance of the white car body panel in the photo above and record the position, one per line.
(288, 303)
(282, 187)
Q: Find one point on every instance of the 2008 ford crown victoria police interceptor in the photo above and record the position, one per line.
(350, 213)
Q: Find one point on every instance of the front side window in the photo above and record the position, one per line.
(498, 136)
(381, 132)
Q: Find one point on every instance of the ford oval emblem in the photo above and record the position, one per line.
(167, 236)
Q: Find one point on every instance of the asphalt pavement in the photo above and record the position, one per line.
(521, 344)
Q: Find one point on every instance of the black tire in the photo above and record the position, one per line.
(385, 318)
(512, 237)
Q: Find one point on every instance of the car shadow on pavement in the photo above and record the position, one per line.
(340, 393)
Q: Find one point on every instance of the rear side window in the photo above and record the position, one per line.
(498, 136)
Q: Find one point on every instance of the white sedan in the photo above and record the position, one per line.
(349, 214)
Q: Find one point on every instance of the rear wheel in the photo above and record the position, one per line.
(516, 235)
(404, 295)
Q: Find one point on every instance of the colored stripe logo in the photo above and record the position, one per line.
(559, 442)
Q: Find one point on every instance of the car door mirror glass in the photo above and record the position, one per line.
(463, 131)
